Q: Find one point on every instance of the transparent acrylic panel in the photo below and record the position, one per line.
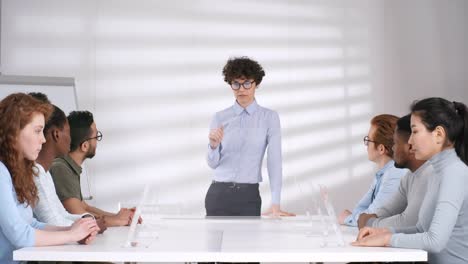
(146, 211)
(330, 218)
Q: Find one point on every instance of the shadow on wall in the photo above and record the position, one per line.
(152, 71)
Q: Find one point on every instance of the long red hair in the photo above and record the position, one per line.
(16, 111)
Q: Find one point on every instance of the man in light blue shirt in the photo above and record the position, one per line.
(239, 137)
(379, 144)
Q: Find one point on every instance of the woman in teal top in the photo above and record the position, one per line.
(439, 133)
(22, 121)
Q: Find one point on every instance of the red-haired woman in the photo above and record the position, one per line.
(379, 143)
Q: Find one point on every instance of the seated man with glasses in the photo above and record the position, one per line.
(379, 143)
(66, 170)
(238, 139)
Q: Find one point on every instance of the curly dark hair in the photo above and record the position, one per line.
(40, 96)
(16, 111)
(404, 126)
(57, 119)
(80, 127)
(243, 67)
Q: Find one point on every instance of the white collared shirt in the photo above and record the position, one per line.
(49, 209)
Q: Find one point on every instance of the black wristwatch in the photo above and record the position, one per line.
(88, 215)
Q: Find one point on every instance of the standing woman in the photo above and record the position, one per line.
(439, 135)
(239, 136)
(22, 120)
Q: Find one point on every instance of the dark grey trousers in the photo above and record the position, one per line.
(233, 199)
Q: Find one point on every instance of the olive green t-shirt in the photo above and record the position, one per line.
(66, 175)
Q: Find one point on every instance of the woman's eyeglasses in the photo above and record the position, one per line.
(246, 85)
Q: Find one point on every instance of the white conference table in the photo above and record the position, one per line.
(197, 239)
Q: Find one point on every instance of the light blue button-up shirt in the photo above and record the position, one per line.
(247, 133)
(384, 186)
(17, 225)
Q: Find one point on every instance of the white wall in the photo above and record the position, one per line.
(151, 73)
(426, 52)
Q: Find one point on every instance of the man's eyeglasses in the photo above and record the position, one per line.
(98, 137)
(246, 85)
(367, 140)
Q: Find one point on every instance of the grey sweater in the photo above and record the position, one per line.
(442, 227)
(403, 209)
